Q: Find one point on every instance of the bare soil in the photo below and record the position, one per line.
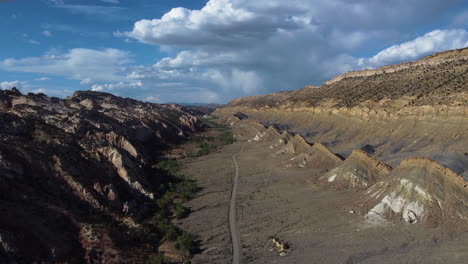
(321, 224)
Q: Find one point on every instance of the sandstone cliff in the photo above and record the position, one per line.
(76, 175)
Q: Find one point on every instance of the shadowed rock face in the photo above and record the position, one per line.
(71, 168)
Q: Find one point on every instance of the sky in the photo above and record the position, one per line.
(212, 51)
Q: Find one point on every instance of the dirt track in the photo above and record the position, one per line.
(236, 245)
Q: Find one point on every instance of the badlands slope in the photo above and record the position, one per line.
(415, 109)
(402, 129)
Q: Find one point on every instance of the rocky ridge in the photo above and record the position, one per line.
(418, 190)
(77, 176)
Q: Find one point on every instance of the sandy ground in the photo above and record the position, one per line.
(315, 220)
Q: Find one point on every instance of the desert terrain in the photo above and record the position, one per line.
(319, 222)
(369, 168)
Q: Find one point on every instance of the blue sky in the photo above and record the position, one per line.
(216, 50)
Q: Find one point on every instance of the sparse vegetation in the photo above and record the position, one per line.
(181, 211)
(205, 148)
(158, 259)
(178, 189)
(185, 241)
(227, 138)
(171, 166)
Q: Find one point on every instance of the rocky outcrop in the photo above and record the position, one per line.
(433, 60)
(296, 144)
(419, 190)
(271, 134)
(359, 171)
(437, 80)
(317, 157)
(76, 172)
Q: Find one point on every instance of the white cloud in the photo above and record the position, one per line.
(218, 23)
(111, 1)
(434, 41)
(78, 64)
(10, 84)
(114, 86)
(43, 79)
(39, 90)
(56, 2)
(33, 41)
(86, 81)
(47, 33)
(233, 48)
(245, 47)
(152, 99)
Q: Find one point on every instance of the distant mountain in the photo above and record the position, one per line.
(200, 109)
(438, 79)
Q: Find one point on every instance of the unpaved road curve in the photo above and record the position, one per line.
(236, 245)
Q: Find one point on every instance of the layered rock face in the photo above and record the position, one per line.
(412, 116)
(76, 174)
(358, 171)
(400, 111)
(419, 190)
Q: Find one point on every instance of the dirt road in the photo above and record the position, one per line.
(236, 245)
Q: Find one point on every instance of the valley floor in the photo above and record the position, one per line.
(321, 224)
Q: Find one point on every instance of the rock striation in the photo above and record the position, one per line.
(419, 190)
(75, 170)
(398, 113)
(359, 171)
(317, 157)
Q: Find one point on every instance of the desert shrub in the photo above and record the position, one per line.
(170, 232)
(170, 165)
(186, 188)
(227, 138)
(181, 211)
(205, 148)
(191, 155)
(186, 242)
(158, 259)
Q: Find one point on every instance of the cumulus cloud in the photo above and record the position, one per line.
(218, 23)
(238, 47)
(232, 48)
(434, 41)
(78, 64)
